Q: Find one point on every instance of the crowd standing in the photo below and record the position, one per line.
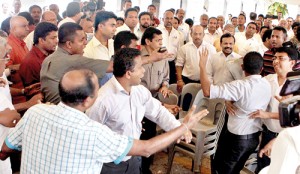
(79, 93)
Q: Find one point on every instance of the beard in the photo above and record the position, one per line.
(146, 25)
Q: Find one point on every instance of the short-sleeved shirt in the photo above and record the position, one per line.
(5, 166)
(55, 65)
(61, 139)
(188, 58)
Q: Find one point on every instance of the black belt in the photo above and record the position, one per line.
(267, 131)
(244, 137)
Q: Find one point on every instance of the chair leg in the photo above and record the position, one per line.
(171, 154)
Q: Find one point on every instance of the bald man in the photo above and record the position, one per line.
(67, 138)
(18, 31)
(47, 16)
(187, 69)
(55, 9)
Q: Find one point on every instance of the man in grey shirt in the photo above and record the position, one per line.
(72, 41)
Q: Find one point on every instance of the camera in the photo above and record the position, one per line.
(289, 109)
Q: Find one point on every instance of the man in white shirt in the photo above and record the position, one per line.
(102, 46)
(221, 21)
(211, 33)
(122, 104)
(187, 69)
(289, 29)
(241, 20)
(127, 5)
(204, 21)
(250, 94)
(246, 40)
(8, 115)
(284, 61)
(183, 27)
(221, 66)
(130, 21)
(171, 40)
(73, 13)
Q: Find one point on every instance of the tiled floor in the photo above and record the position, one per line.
(181, 164)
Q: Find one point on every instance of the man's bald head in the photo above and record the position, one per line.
(49, 16)
(19, 27)
(77, 85)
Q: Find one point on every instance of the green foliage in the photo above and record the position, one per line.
(278, 7)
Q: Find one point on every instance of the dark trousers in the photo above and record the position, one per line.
(149, 132)
(172, 71)
(188, 97)
(187, 80)
(233, 153)
(266, 137)
(131, 166)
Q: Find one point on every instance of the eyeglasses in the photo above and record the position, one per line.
(280, 58)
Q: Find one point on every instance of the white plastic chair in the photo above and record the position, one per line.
(205, 135)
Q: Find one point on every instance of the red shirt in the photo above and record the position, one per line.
(18, 52)
(31, 66)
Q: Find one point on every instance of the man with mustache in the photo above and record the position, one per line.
(145, 19)
(278, 37)
(171, 40)
(218, 66)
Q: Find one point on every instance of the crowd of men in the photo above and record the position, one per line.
(99, 75)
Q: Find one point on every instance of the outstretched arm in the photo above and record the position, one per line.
(148, 147)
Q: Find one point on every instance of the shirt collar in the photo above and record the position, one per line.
(79, 114)
(16, 40)
(39, 53)
(256, 76)
(118, 87)
(207, 32)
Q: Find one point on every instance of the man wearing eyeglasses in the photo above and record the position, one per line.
(283, 62)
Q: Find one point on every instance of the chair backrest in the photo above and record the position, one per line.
(188, 94)
(171, 99)
(216, 107)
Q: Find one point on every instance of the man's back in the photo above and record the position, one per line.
(61, 139)
(250, 94)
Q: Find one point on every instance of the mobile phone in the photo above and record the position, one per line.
(162, 50)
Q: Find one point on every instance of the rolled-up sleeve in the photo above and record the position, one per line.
(180, 60)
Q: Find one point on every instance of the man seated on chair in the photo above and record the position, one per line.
(123, 103)
(250, 94)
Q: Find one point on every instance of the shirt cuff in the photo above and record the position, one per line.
(214, 92)
(129, 145)
(9, 145)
